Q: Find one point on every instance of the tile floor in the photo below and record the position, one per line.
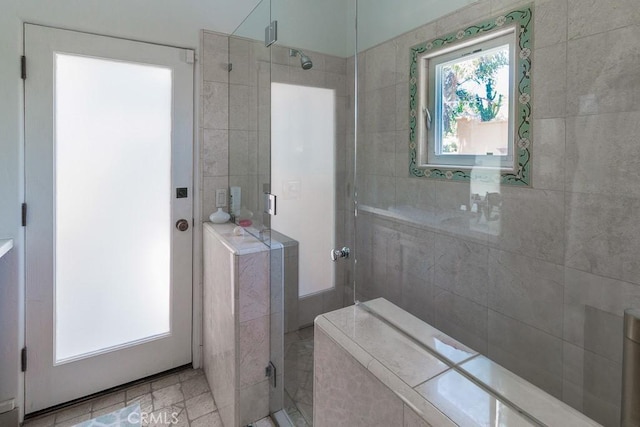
(184, 394)
(298, 376)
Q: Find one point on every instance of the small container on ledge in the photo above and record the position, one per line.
(219, 217)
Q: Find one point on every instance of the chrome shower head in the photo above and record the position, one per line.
(305, 61)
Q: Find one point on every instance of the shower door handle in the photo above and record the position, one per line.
(340, 253)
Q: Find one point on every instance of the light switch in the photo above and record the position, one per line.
(221, 198)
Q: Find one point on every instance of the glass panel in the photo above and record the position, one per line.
(523, 274)
(250, 166)
(312, 102)
(303, 174)
(249, 123)
(381, 20)
(113, 208)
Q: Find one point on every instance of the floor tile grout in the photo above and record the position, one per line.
(166, 397)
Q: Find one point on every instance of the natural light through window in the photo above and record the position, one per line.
(112, 204)
(473, 112)
(467, 95)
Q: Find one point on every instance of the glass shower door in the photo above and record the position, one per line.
(249, 122)
(289, 106)
(303, 176)
(250, 173)
(311, 177)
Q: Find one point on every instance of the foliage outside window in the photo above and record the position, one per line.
(470, 102)
(473, 89)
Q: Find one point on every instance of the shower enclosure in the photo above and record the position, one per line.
(534, 276)
(289, 107)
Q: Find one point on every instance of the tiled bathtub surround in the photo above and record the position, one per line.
(541, 290)
(370, 373)
(236, 323)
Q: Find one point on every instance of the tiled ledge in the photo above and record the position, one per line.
(5, 246)
(238, 245)
(461, 224)
(443, 381)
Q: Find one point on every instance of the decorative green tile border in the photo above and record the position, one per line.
(522, 18)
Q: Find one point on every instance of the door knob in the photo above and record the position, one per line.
(182, 225)
(340, 253)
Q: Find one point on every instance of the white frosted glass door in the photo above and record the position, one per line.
(108, 179)
(303, 178)
(113, 206)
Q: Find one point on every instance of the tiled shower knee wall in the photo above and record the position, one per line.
(545, 297)
(236, 336)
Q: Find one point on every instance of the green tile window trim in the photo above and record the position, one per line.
(520, 175)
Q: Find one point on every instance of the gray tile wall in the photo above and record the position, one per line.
(214, 120)
(249, 121)
(346, 393)
(236, 339)
(541, 290)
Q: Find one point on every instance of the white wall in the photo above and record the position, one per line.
(328, 26)
(321, 26)
(381, 20)
(160, 21)
(10, 195)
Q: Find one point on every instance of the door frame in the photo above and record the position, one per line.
(197, 280)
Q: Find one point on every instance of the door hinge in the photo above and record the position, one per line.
(271, 34)
(23, 360)
(189, 56)
(23, 67)
(270, 204)
(229, 67)
(271, 373)
(24, 214)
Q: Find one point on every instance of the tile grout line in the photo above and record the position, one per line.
(89, 411)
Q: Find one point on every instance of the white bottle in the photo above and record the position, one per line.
(219, 217)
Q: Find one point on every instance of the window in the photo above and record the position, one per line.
(470, 102)
(303, 169)
(469, 92)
